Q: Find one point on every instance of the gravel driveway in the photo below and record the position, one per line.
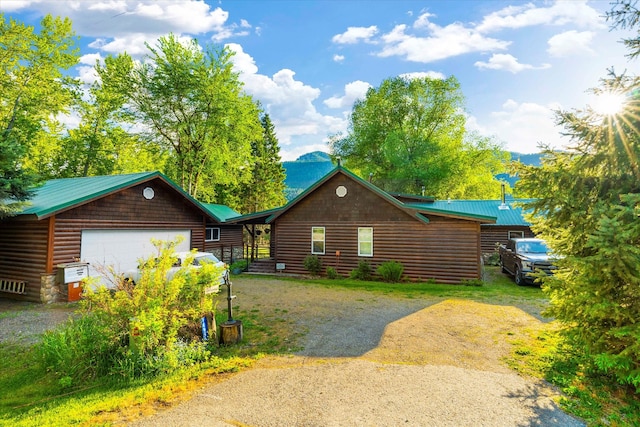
(376, 360)
(366, 360)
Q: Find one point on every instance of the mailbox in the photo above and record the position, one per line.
(71, 276)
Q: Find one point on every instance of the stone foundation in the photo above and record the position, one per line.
(50, 289)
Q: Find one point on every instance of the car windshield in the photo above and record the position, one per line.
(204, 259)
(533, 247)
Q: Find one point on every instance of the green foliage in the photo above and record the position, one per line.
(265, 188)
(35, 88)
(136, 330)
(194, 112)
(332, 273)
(390, 271)
(587, 210)
(313, 264)
(363, 272)
(240, 265)
(410, 134)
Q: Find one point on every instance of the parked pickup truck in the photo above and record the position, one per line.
(198, 259)
(523, 257)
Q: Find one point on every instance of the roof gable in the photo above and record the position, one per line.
(58, 195)
(410, 209)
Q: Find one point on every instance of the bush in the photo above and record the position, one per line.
(239, 266)
(313, 264)
(332, 273)
(390, 271)
(363, 272)
(102, 341)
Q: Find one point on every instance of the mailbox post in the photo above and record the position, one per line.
(231, 330)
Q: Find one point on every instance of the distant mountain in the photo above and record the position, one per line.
(316, 156)
(305, 171)
(309, 168)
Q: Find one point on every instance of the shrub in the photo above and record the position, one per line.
(103, 341)
(363, 272)
(239, 266)
(332, 273)
(313, 264)
(390, 271)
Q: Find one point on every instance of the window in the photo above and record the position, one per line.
(365, 241)
(212, 234)
(317, 240)
(516, 234)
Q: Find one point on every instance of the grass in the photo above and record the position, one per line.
(38, 398)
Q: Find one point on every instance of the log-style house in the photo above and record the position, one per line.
(344, 219)
(104, 221)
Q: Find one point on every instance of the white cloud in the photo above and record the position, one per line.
(560, 12)
(506, 62)
(423, 74)
(440, 43)
(355, 35)
(352, 92)
(289, 103)
(338, 58)
(16, 5)
(571, 43)
(523, 127)
(133, 44)
(90, 59)
(117, 18)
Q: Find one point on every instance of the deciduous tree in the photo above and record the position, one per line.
(33, 90)
(410, 134)
(190, 103)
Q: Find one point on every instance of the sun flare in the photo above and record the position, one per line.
(609, 103)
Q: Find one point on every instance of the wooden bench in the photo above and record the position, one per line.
(13, 286)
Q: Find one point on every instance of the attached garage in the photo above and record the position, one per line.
(121, 249)
(103, 220)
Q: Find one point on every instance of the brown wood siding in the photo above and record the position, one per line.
(492, 235)
(359, 203)
(23, 254)
(230, 245)
(445, 249)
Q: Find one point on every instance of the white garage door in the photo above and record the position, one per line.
(121, 249)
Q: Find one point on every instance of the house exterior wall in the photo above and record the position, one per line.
(24, 240)
(446, 250)
(23, 254)
(230, 246)
(493, 235)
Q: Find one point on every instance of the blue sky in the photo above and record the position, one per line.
(307, 61)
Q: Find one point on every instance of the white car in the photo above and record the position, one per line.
(199, 259)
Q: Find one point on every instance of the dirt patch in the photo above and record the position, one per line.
(24, 322)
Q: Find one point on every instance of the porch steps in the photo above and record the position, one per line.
(263, 266)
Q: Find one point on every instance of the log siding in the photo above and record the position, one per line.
(445, 249)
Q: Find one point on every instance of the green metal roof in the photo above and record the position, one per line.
(221, 212)
(482, 208)
(57, 195)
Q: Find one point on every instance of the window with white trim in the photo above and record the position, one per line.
(212, 234)
(516, 234)
(365, 241)
(317, 240)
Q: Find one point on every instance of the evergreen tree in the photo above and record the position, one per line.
(266, 188)
(588, 207)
